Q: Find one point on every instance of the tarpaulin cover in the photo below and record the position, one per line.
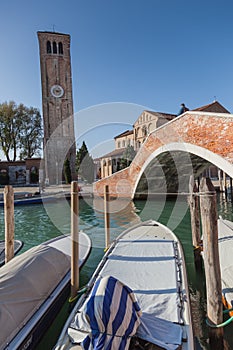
(109, 317)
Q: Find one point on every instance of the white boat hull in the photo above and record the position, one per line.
(34, 285)
(149, 259)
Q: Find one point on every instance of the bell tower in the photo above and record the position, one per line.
(57, 104)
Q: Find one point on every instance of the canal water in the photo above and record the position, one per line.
(37, 223)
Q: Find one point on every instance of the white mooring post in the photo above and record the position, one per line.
(74, 239)
(9, 222)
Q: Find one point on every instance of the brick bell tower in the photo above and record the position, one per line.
(57, 105)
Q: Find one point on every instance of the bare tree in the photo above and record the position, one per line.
(31, 133)
(20, 131)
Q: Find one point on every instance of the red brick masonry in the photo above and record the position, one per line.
(210, 131)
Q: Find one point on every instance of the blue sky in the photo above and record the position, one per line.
(152, 54)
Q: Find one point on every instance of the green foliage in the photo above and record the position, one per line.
(20, 131)
(31, 132)
(85, 164)
(127, 157)
(67, 171)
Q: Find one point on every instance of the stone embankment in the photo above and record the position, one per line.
(49, 190)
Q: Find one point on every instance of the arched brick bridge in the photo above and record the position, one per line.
(207, 136)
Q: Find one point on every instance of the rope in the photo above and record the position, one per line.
(198, 247)
(223, 324)
(79, 292)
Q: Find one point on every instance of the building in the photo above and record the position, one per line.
(57, 104)
(147, 122)
(21, 172)
(110, 162)
(124, 139)
(214, 107)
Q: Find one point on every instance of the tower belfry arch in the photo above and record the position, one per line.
(57, 104)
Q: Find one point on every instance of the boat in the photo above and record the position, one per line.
(225, 244)
(34, 285)
(37, 198)
(30, 198)
(138, 297)
(18, 245)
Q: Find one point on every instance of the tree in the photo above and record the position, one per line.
(85, 164)
(127, 157)
(8, 129)
(31, 132)
(20, 131)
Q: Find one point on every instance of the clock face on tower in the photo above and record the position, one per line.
(57, 91)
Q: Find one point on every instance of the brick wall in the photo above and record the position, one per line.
(209, 131)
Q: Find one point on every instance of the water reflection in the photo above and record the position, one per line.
(37, 223)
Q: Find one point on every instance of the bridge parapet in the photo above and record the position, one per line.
(208, 135)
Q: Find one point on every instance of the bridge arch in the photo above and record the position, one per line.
(205, 135)
(189, 148)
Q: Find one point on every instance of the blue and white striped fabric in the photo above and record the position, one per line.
(111, 316)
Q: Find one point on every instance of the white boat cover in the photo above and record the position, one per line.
(108, 318)
(153, 278)
(152, 268)
(225, 240)
(25, 282)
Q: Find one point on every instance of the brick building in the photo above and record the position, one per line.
(21, 172)
(147, 122)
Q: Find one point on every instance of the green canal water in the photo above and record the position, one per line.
(37, 223)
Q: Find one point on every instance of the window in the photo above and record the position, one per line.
(49, 50)
(60, 48)
(54, 47)
(119, 144)
(144, 131)
(137, 132)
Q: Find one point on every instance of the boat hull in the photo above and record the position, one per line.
(18, 245)
(225, 242)
(36, 324)
(149, 259)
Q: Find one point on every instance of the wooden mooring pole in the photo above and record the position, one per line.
(106, 216)
(9, 222)
(208, 206)
(193, 201)
(74, 239)
(231, 191)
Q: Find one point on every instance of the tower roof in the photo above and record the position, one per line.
(53, 33)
